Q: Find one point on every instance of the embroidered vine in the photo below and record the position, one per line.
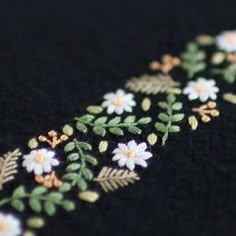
(62, 163)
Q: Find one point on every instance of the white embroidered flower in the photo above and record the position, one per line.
(9, 225)
(118, 102)
(227, 41)
(40, 161)
(201, 89)
(131, 154)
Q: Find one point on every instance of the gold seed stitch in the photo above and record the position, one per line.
(94, 109)
(88, 196)
(146, 104)
(33, 143)
(103, 146)
(230, 97)
(152, 139)
(193, 122)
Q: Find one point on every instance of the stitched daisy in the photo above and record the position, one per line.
(118, 102)
(40, 161)
(9, 225)
(131, 154)
(201, 89)
(227, 41)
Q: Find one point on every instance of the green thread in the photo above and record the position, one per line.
(77, 170)
(228, 73)
(193, 60)
(38, 200)
(115, 125)
(165, 126)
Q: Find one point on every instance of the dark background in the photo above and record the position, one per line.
(58, 57)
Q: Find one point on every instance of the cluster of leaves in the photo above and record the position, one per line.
(8, 166)
(39, 200)
(228, 73)
(111, 179)
(193, 60)
(115, 125)
(167, 118)
(77, 172)
(153, 84)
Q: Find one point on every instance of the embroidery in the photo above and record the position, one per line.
(8, 166)
(153, 84)
(111, 179)
(168, 119)
(63, 164)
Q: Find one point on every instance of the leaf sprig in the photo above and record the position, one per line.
(116, 126)
(38, 200)
(77, 170)
(8, 166)
(111, 179)
(228, 73)
(166, 126)
(153, 84)
(193, 60)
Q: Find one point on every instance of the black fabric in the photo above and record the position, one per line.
(58, 57)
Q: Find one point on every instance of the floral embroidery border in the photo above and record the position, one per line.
(116, 117)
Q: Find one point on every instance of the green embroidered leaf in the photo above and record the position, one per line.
(86, 118)
(85, 146)
(73, 157)
(38, 191)
(144, 121)
(81, 127)
(228, 73)
(117, 131)
(168, 118)
(35, 205)
(69, 147)
(100, 121)
(19, 192)
(8, 167)
(72, 167)
(177, 117)
(177, 106)
(65, 187)
(68, 205)
(82, 184)
(134, 130)
(160, 127)
(18, 205)
(193, 60)
(130, 119)
(50, 208)
(99, 131)
(114, 121)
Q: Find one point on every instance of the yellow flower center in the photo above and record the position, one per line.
(231, 39)
(39, 158)
(3, 225)
(130, 154)
(118, 101)
(200, 88)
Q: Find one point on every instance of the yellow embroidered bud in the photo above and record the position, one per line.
(68, 130)
(35, 222)
(94, 109)
(33, 143)
(217, 58)
(205, 40)
(152, 139)
(229, 97)
(28, 233)
(103, 146)
(193, 122)
(146, 104)
(89, 196)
